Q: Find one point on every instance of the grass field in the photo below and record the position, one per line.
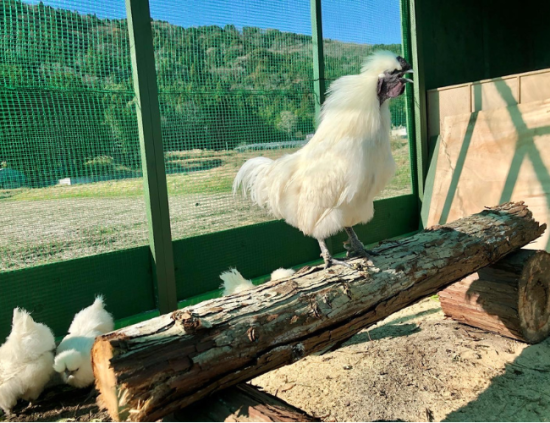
(56, 223)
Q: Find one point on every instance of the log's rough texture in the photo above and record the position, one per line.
(154, 368)
(510, 297)
(242, 403)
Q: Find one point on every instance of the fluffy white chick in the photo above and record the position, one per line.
(281, 273)
(73, 360)
(234, 282)
(26, 360)
(331, 182)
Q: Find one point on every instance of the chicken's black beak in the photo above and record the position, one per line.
(403, 79)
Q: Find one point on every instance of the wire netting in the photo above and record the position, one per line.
(351, 30)
(70, 178)
(235, 81)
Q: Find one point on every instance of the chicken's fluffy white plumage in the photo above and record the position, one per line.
(281, 273)
(73, 359)
(331, 182)
(26, 360)
(234, 282)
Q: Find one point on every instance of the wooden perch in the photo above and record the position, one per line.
(146, 371)
(510, 297)
(242, 403)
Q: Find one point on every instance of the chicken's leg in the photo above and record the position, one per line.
(327, 257)
(355, 247)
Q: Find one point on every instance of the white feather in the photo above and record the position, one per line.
(73, 359)
(332, 181)
(233, 282)
(281, 273)
(26, 360)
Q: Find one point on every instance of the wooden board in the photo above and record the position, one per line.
(485, 95)
(490, 157)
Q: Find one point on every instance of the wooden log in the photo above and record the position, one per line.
(242, 403)
(146, 371)
(510, 297)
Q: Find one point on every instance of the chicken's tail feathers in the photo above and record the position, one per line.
(21, 317)
(99, 302)
(251, 179)
(234, 282)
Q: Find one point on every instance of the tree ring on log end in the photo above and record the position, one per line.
(534, 298)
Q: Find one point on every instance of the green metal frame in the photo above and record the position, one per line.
(152, 153)
(130, 278)
(318, 56)
(419, 120)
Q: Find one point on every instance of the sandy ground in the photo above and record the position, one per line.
(414, 366)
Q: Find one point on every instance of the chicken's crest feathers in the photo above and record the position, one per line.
(234, 282)
(380, 61)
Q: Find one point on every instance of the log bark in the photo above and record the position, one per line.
(242, 403)
(510, 297)
(146, 371)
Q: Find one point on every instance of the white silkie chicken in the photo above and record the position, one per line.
(234, 282)
(26, 360)
(73, 360)
(330, 183)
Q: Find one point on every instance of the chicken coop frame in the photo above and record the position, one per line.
(142, 282)
(156, 278)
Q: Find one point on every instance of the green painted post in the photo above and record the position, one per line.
(409, 97)
(152, 156)
(420, 110)
(318, 57)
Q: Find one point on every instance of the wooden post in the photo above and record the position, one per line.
(152, 369)
(152, 154)
(510, 297)
(318, 56)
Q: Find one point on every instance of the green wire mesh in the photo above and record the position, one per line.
(70, 178)
(380, 20)
(70, 170)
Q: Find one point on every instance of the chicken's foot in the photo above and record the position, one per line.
(327, 257)
(356, 248)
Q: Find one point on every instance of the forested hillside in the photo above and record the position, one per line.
(66, 99)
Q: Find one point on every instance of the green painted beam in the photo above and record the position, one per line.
(318, 56)
(152, 155)
(420, 107)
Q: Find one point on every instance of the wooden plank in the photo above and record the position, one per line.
(55, 292)
(499, 156)
(242, 403)
(318, 55)
(152, 155)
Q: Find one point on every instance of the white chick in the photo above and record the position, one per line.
(26, 360)
(281, 273)
(73, 360)
(233, 282)
(330, 184)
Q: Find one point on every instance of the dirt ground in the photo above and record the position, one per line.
(414, 366)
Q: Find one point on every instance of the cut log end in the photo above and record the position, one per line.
(510, 297)
(105, 380)
(534, 298)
